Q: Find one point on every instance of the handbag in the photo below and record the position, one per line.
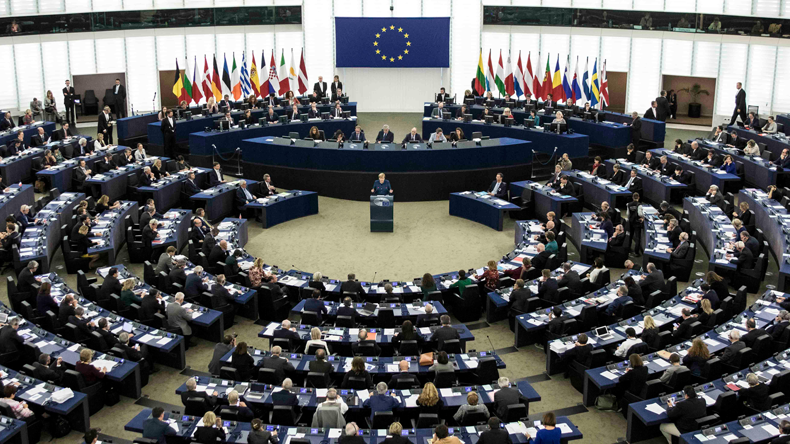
(426, 358)
(606, 402)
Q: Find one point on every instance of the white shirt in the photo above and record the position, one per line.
(116, 88)
(338, 401)
(219, 176)
(625, 346)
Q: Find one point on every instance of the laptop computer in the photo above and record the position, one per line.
(368, 309)
(603, 332)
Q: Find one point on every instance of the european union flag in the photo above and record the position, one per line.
(392, 42)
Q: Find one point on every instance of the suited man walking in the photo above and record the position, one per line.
(663, 109)
(169, 133)
(740, 104)
(106, 124)
(119, 94)
(68, 101)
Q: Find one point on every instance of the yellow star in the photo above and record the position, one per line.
(378, 35)
(400, 57)
(392, 27)
(375, 43)
(383, 29)
(408, 43)
(400, 29)
(378, 51)
(383, 57)
(405, 36)
(392, 59)
(405, 51)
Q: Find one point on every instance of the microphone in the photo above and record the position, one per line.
(154, 96)
(490, 343)
(374, 277)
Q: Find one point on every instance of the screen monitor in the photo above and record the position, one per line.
(489, 120)
(346, 114)
(283, 119)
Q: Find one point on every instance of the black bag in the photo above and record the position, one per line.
(111, 396)
(60, 427)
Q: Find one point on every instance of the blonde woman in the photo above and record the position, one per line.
(316, 341)
(50, 108)
(158, 170)
(751, 148)
(103, 204)
(649, 331)
(28, 119)
(99, 143)
(89, 372)
(211, 106)
(706, 312)
(490, 276)
(210, 430)
(395, 435)
(84, 244)
(429, 400)
(256, 273)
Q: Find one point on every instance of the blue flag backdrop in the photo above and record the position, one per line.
(392, 42)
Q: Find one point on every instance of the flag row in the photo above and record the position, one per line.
(237, 81)
(570, 86)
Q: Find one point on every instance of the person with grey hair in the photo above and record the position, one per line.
(444, 333)
(363, 341)
(179, 317)
(10, 341)
(147, 178)
(654, 279)
(333, 401)
(243, 196)
(351, 435)
(192, 392)
(745, 258)
(714, 197)
(385, 135)
(427, 319)
(27, 278)
(285, 396)
(48, 370)
(473, 405)
(24, 218)
(735, 346)
(286, 331)
(380, 402)
(622, 299)
(280, 365)
(83, 148)
(195, 284)
(756, 396)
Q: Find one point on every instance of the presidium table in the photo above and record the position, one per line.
(418, 172)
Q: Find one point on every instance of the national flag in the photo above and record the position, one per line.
(178, 84)
(566, 83)
(586, 81)
(302, 75)
(206, 79)
(292, 77)
(216, 82)
(227, 87)
(531, 81)
(546, 90)
(187, 84)
(254, 83)
(499, 78)
(577, 91)
(558, 93)
(518, 77)
(490, 73)
(509, 83)
(235, 80)
(284, 83)
(246, 88)
(594, 85)
(272, 80)
(197, 82)
(480, 76)
(604, 86)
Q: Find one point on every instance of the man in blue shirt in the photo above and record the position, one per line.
(380, 402)
(316, 305)
(381, 187)
(156, 427)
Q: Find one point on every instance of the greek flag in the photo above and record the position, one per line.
(246, 87)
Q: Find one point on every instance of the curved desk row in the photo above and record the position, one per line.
(774, 220)
(416, 172)
(774, 143)
(60, 176)
(110, 230)
(12, 200)
(28, 130)
(704, 176)
(544, 197)
(19, 167)
(756, 170)
(714, 230)
(40, 242)
(655, 187)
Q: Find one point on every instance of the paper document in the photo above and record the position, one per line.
(655, 408)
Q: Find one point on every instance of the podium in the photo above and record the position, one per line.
(381, 213)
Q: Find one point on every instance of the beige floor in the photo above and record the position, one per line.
(338, 241)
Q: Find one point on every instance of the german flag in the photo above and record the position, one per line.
(178, 85)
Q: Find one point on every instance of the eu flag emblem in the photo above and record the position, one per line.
(392, 42)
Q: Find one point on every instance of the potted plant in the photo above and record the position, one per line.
(695, 108)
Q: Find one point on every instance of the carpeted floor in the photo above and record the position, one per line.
(426, 239)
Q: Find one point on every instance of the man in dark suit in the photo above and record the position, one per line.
(225, 105)
(106, 334)
(402, 375)
(429, 318)
(622, 299)
(83, 325)
(192, 392)
(442, 96)
(68, 101)
(315, 305)
(662, 107)
(554, 180)
(696, 153)
(190, 186)
(111, 284)
(347, 309)
(751, 243)
(66, 309)
(547, 286)
(681, 176)
(740, 104)
(320, 86)
(337, 95)
(745, 258)
(556, 320)
(10, 341)
(107, 165)
(751, 336)
(39, 138)
(169, 133)
(156, 427)
(320, 365)
(48, 370)
(779, 326)
(653, 281)
(736, 345)
(618, 176)
(285, 396)
(352, 286)
(495, 433)
(26, 279)
(210, 241)
(178, 275)
(681, 330)
(358, 135)
(385, 135)
(540, 260)
(219, 253)
(507, 395)
(580, 352)
(519, 297)
(566, 187)
(444, 333)
(364, 343)
(243, 196)
(678, 253)
(271, 116)
(498, 187)
(413, 136)
(650, 162)
(215, 176)
(151, 304)
(651, 112)
(286, 331)
(195, 284)
(636, 128)
(119, 94)
(633, 183)
(63, 132)
(106, 124)
(279, 364)
(7, 123)
(665, 168)
(683, 414)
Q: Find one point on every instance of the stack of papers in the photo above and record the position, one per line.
(655, 408)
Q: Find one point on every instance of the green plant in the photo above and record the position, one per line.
(695, 91)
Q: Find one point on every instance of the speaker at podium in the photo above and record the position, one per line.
(381, 210)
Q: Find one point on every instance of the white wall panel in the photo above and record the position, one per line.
(732, 70)
(403, 8)
(441, 8)
(464, 44)
(56, 68)
(644, 76)
(347, 8)
(28, 70)
(110, 55)
(706, 59)
(142, 75)
(781, 96)
(82, 55)
(616, 51)
(8, 98)
(318, 41)
(677, 57)
(760, 76)
(170, 48)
